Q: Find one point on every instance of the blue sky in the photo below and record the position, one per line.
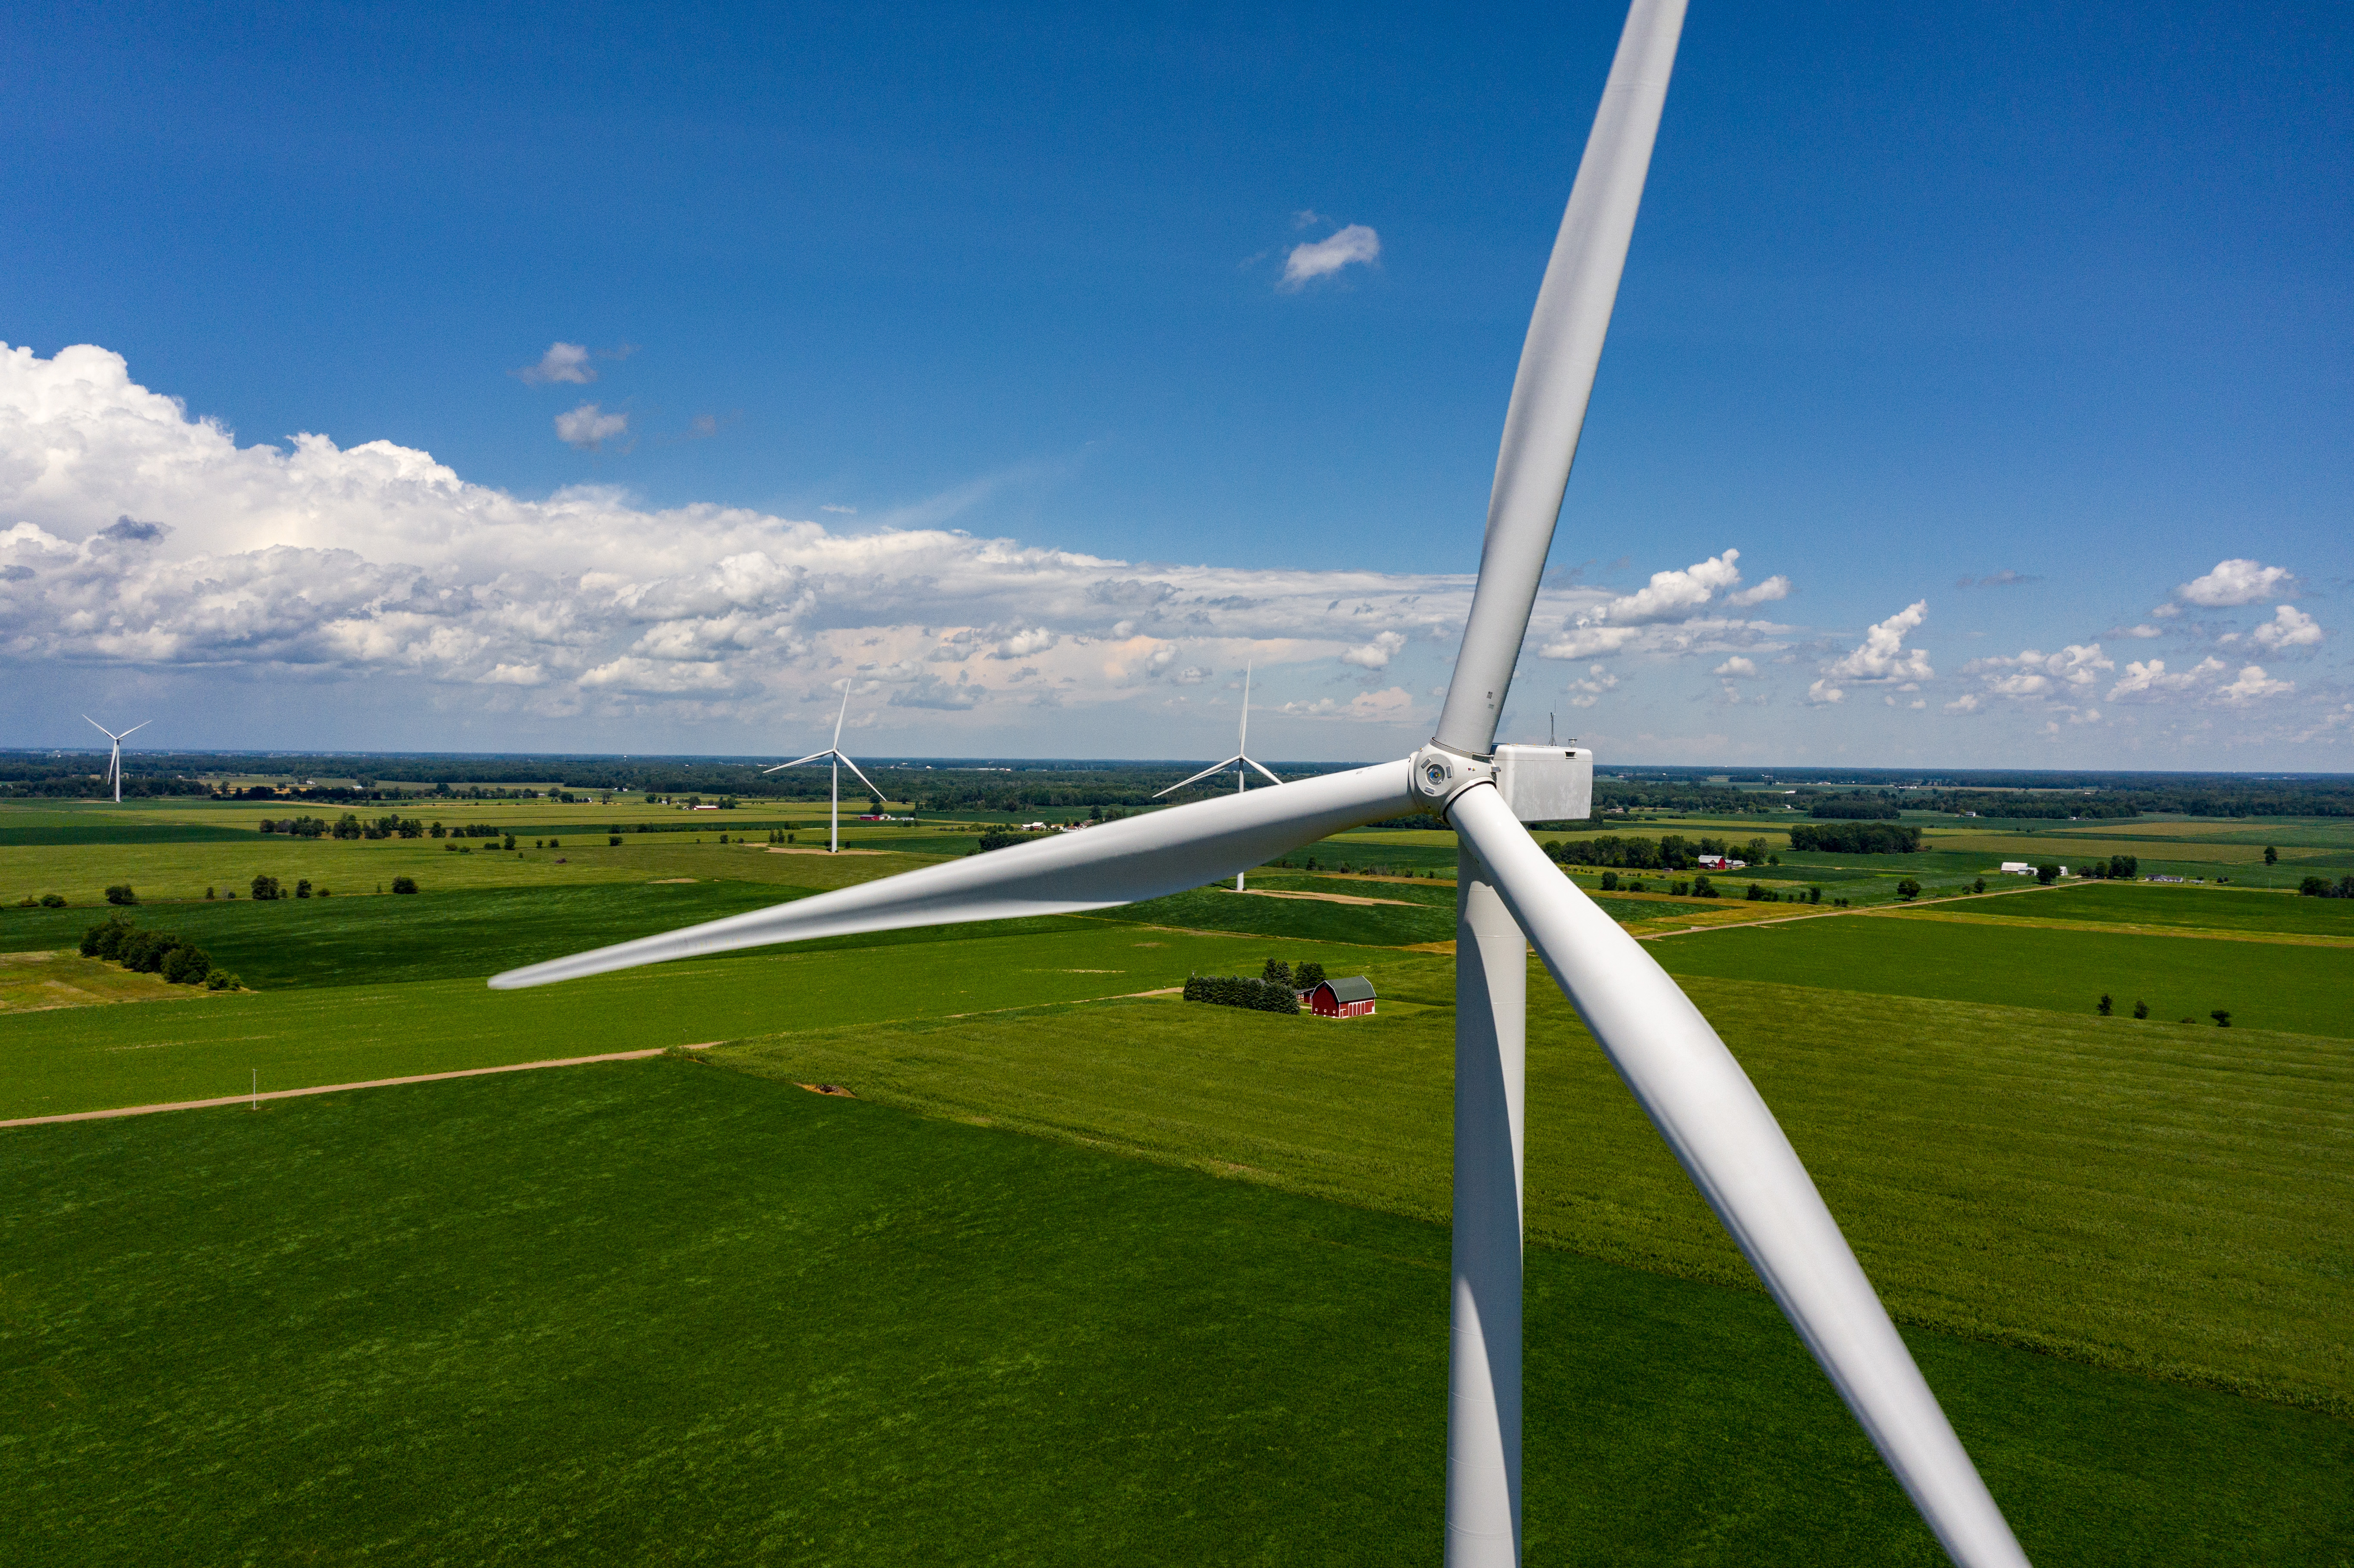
(2055, 298)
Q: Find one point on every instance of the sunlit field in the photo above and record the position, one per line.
(1002, 1305)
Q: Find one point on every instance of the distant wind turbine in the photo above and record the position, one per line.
(114, 758)
(840, 761)
(1240, 761)
(1509, 897)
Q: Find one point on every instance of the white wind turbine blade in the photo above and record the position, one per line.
(1729, 1143)
(796, 762)
(135, 729)
(1118, 863)
(1271, 778)
(1241, 732)
(1206, 772)
(1557, 374)
(839, 717)
(862, 778)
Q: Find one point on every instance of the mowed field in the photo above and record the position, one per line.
(1087, 1272)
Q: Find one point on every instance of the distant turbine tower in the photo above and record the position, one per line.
(1240, 761)
(114, 758)
(840, 762)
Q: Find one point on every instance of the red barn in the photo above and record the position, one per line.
(1350, 998)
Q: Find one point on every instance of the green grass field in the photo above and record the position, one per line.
(663, 1312)
(2132, 1198)
(680, 1310)
(2208, 908)
(89, 1058)
(2302, 990)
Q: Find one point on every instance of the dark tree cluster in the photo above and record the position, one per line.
(146, 952)
(1672, 852)
(1854, 808)
(1242, 990)
(1856, 838)
(2322, 887)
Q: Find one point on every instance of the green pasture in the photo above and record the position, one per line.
(2304, 989)
(2147, 903)
(390, 940)
(2161, 1201)
(87, 1058)
(180, 871)
(662, 1312)
(1221, 908)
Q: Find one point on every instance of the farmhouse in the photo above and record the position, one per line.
(1350, 998)
(2017, 868)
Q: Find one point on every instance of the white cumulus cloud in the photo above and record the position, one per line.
(1745, 669)
(2288, 628)
(587, 427)
(2235, 582)
(562, 361)
(1375, 655)
(1353, 246)
(1881, 656)
(134, 534)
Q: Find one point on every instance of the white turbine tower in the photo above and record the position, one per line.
(1510, 895)
(114, 758)
(1240, 762)
(840, 760)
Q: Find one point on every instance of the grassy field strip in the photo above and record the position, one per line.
(93, 1058)
(2263, 985)
(181, 872)
(2171, 1202)
(2210, 933)
(257, 1099)
(37, 981)
(650, 1311)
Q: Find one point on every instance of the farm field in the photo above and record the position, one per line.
(2204, 908)
(2301, 989)
(2150, 1199)
(660, 1310)
(2117, 1244)
(89, 1058)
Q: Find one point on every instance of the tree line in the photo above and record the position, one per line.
(1671, 852)
(149, 952)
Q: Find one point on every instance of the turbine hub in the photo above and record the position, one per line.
(1439, 775)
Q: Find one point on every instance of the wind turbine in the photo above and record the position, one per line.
(840, 760)
(114, 758)
(1240, 762)
(1509, 895)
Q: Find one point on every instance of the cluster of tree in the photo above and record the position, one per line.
(146, 952)
(296, 827)
(1698, 887)
(2024, 807)
(466, 831)
(2322, 887)
(1306, 976)
(2119, 867)
(82, 784)
(1854, 809)
(1242, 990)
(1671, 851)
(1856, 838)
(1718, 800)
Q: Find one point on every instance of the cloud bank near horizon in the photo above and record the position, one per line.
(135, 536)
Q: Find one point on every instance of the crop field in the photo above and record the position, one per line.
(2304, 989)
(1090, 1272)
(662, 1311)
